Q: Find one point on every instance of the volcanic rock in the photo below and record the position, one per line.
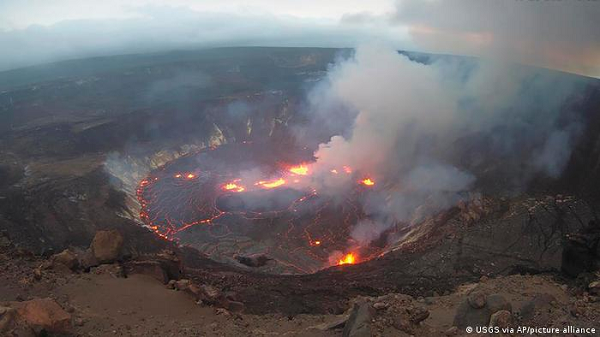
(538, 302)
(418, 314)
(107, 245)
(359, 322)
(113, 270)
(182, 284)
(7, 318)
(234, 306)
(502, 319)
(66, 258)
(380, 306)
(88, 260)
(170, 263)
(45, 314)
(337, 323)
(37, 274)
(476, 299)
(402, 323)
(495, 302)
(253, 261)
(171, 284)
(594, 288)
(466, 315)
(153, 269)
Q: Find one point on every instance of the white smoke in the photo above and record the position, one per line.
(410, 122)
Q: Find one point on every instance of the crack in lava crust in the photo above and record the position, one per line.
(240, 201)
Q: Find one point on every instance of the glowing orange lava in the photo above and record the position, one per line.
(234, 187)
(367, 182)
(300, 170)
(334, 171)
(348, 259)
(178, 175)
(190, 176)
(271, 184)
(347, 169)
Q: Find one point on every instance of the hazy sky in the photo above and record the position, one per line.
(556, 34)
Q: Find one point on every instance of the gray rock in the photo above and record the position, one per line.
(466, 315)
(476, 299)
(359, 322)
(538, 302)
(496, 302)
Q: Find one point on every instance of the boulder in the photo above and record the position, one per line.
(359, 322)
(107, 245)
(65, 258)
(44, 314)
(417, 314)
(468, 315)
(538, 302)
(88, 260)
(476, 299)
(496, 302)
(502, 319)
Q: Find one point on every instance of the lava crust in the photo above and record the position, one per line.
(242, 201)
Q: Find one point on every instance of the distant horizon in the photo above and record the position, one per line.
(560, 35)
(199, 49)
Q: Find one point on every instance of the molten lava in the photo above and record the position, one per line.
(271, 184)
(216, 211)
(367, 182)
(300, 170)
(234, 187)
(348, 259)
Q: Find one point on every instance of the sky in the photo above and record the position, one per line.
(559, 34)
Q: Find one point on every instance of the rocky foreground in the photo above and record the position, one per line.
(102, 292)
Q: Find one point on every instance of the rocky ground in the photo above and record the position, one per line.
(100, 292)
